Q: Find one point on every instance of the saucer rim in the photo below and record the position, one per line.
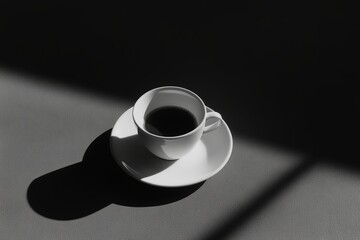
(202, 179)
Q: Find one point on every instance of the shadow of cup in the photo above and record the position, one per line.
(86, 187)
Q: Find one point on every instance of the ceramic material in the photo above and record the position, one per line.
(207, 158)
(174, 147)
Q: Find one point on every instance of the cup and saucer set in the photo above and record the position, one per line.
(169, 138)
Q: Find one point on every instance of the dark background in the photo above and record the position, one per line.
(281, 72)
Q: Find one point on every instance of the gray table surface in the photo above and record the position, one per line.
(58, 181)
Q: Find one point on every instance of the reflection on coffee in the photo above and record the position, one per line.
(170, 121)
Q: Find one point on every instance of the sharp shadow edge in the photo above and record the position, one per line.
(86, 187)
(240, 218)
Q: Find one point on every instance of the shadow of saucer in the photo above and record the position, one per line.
(83, 188)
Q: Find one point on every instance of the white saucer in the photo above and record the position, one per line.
(206, 159)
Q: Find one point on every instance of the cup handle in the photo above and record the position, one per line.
(214, 125)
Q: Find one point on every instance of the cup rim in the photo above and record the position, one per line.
(170, 137)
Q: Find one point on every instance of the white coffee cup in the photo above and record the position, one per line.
(172, 147)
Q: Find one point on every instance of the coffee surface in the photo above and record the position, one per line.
(170, 121)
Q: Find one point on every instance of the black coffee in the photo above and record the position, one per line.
(170, 121)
